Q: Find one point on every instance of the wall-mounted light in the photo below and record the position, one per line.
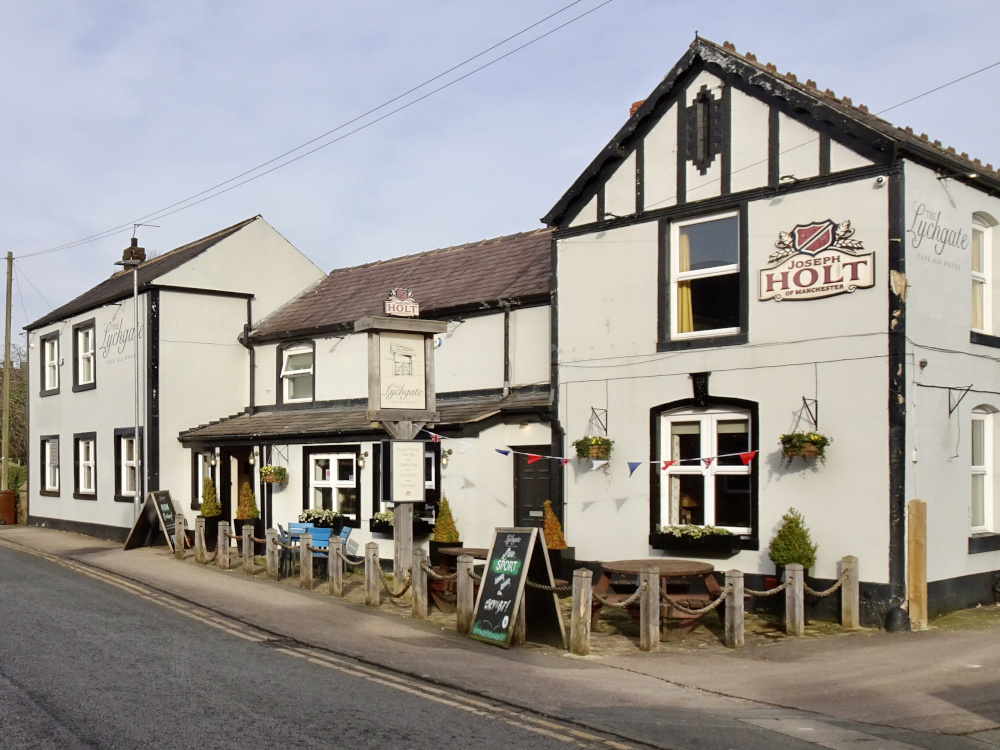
(362, 459)
(253, 457)
(444, 457)
(215, 457)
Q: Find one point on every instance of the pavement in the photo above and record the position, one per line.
(939, 688)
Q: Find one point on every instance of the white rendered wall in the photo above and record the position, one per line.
(341, 367)
(471, 355)
(749, 130)
(530, 345)
(659, 171)
(619, 190)
(798, 149)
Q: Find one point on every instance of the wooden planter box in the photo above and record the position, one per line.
(600, 452)
(421, 527)
(270, 479)
(807, 450)
(715, 545)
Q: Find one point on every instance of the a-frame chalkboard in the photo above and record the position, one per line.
(157, 513)
(517, 555)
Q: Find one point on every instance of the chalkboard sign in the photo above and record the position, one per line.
(157, 513)
(502, 585)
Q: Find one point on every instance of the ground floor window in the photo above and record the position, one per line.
(704, 481)
(333, 482)
(50, 465)
(85, 457)
(982, 470)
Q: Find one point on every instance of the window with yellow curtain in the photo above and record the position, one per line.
(705, 276)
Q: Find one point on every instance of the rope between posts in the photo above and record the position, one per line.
(474, 577)
(320, 550)
(553, 589)
(704, 610)
(353, 563)
(385, 584)
(821, 594)
(624, 603)
(258, 541)
(437, 576)
(234, 537)
(769, 592)
(282, 544)
(212, 558)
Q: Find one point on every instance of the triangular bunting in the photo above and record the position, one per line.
(747, 457)
(532, 457)
(633, 465)
(502, 452)
(597, 464)
(435, 437)
(708, 461)
(668, 464)
(463, 446)
(563, 461)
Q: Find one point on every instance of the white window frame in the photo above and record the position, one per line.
(205, 469)
(982, 279)
(51, 459)
(332, 482)
(88, 467)
(985, 470)
(129, 468)
(85, 355)
(51, 353)
(679, 276)
(287, 375)
(708, 419)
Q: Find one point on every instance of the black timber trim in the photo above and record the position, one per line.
(122, 432)
(79, 437)
(824, 154)
(352, 447)
(640, 176)
(601, 205)
(152, 459)
(984, 339)
(41, 349)
(555, 477)
(94, 530)
(279, 364)
(896, 325)
(721, 203)
(77, 327)
(773, 147)
(753, 408)
(664, 305)
(42, 440)
(983, 543)
(727, 140)
(199, 291)
(377, 471)
(196, 453)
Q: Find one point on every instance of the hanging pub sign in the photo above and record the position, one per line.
(402, 376)
(817, 260)
(402, 304)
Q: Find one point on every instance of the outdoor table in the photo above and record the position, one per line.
(443, 592)
(669, 569)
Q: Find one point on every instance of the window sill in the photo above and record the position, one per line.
(50, 392)
(984, 339)
(702, 343)
(715, 546)
(84, 387)
(85, 496)
(987, 542)
(124, 498)
(49, 493)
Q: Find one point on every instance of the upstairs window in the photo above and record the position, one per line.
(84, 364)
(982, 287)
(297, 374)
(705, 277)
(50, 364)
(981, 510)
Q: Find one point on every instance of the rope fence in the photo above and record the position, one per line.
(353, 563)
(770, 592)
(698, 612)
(385, 583)
(624, 602)
(832, 589)
(438, 576)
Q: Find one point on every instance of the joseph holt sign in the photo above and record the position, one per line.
(817, 260)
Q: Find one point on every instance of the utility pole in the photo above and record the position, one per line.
(5, 436)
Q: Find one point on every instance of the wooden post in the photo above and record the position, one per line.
(579, 630)
(305, 562)
(850, 594)
(916, 563)
(402, 534)
(271, 553)
(248, 548)
(795, 613)
(465, 602)
(180, 538)
(520, 634)
(373, 596)
(335, 566)
(222, 545)
(419, 584)
(200, 551)
(649, 610)
(734, 609)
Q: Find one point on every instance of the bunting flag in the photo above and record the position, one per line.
(463, 446)
(435, 437)
(597, 464)
(532, 457)
(708, 461)
(633, 465)
(563, 461)
(668, 464)
(502, 452)
(747, 457)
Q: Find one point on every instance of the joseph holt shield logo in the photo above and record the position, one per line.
(819, 259)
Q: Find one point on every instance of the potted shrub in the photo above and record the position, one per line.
(246, 511)
(273, 474)
(323, 519)
(695, 541)
(211, 511)
(593, 447)
(445, 532)
(805, 444)
(561, 557)
(792, 543)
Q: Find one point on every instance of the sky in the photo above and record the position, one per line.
(114, 110)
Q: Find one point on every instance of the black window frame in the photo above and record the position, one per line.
(665, 342)
(41, 345)
(77, 385)
(42, 440)
(124, 432)
(280, 365)
(79, 437)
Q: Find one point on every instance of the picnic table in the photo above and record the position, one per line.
(443, 592)
(676, 578)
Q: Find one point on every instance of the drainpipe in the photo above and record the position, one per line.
(506, 349)
(253, 356)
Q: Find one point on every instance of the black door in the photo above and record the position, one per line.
(531, 485)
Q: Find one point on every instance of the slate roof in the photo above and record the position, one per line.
(119, 285)
(301, 424)
(516, 267)
(804, 98)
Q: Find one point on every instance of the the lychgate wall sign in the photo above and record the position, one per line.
(817, 260)
(401, 303)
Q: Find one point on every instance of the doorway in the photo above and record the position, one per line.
(531, 485)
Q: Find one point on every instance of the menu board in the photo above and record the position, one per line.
(157, 513)
(406, 471)
(502, 585)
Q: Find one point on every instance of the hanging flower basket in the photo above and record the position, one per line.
(273, 474)
(804, 444)
(593, 447)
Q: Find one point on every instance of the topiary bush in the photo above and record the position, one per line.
(246, 510)
(210, 506)
(552, 529)
(445, 529)
(792, 543)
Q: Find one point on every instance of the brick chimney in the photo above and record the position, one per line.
(134, 252)
(635, 106)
